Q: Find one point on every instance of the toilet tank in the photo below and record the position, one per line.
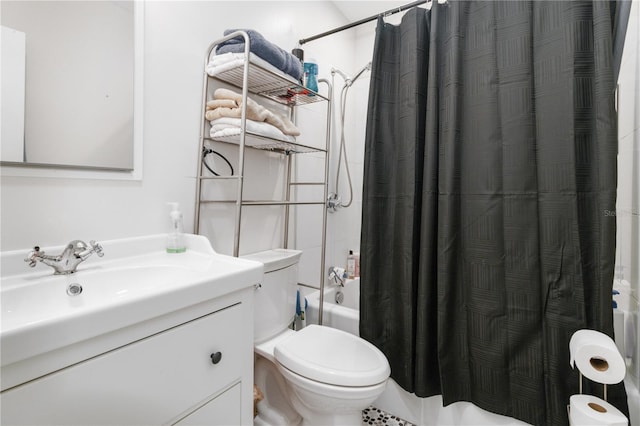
(275, 299)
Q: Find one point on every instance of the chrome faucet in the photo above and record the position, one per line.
(337, 275)
(66, 262)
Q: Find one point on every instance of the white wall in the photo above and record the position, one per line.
(52, 211)
(343, 226)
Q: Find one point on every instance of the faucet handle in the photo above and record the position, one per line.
(96, 247)
(337, 274)
(33, 255)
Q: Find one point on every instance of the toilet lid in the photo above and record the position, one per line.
(332, 356)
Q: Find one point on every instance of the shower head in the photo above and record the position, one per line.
(365, 68)
(348, 81)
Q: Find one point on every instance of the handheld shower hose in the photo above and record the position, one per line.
(334, 199)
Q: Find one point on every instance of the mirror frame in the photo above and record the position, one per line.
(9, 168)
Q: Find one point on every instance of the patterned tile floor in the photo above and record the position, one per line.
(377, 417)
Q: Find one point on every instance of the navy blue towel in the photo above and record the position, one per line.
(266, 50)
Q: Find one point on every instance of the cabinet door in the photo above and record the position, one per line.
(223, 410)
(152, 381)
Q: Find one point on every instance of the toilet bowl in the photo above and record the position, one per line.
(315, 376)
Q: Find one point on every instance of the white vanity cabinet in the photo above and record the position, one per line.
(193, 373)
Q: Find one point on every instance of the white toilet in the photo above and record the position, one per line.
(315, 376)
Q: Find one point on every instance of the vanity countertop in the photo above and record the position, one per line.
(137, 288)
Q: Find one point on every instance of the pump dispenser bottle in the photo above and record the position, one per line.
(175, 237)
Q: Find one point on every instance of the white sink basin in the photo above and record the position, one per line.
(135, 281)
(46, 299)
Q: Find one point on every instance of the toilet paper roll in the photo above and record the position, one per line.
(589, 410)
(596, 356)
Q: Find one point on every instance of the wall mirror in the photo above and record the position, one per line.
(72, 88)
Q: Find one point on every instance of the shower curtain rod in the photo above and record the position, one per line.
(362, 21)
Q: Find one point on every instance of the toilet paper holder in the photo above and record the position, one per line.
(598, 355)
(604, 394)
(604, 387)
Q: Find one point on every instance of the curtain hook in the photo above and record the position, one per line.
(390, 12)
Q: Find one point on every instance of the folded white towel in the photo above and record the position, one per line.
(227, 103)
(226, 126)
(225, 62)
(228, 61)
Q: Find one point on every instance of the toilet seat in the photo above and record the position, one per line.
(332, 356)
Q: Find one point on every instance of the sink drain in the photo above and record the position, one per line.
(74, 289)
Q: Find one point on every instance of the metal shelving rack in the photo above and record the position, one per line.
(260, 80)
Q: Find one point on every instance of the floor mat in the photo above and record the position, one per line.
(377, 417)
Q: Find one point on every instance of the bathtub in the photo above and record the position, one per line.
(345, 315)
(395, 400)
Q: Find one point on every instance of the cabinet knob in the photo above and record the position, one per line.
(216, 357)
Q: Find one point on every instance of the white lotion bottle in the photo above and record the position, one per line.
(175, 237)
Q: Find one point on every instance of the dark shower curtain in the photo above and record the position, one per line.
(488, 228)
